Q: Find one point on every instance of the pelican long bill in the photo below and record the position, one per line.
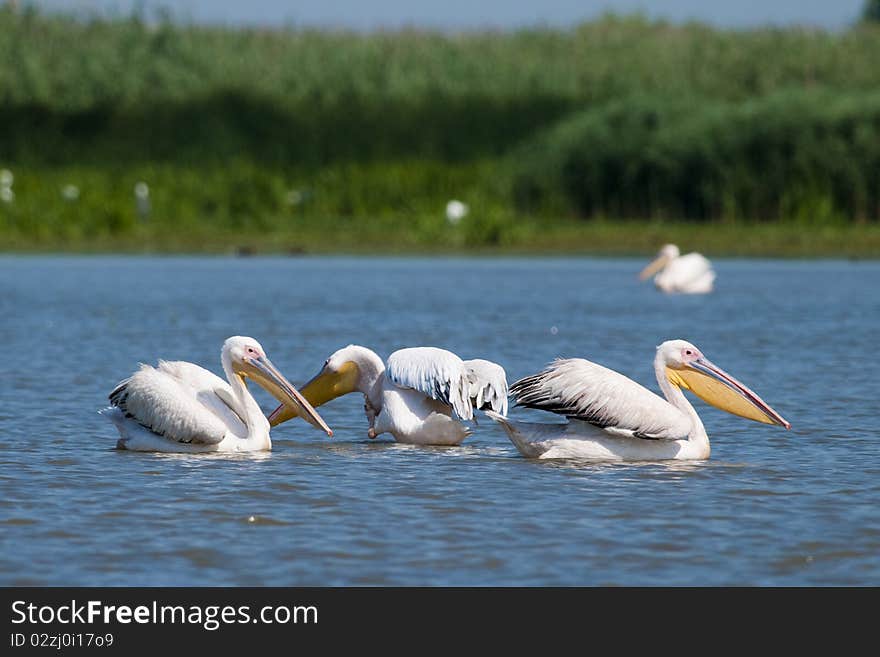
(325, 386)
(718, 388)
(653, 267)
(267, 375)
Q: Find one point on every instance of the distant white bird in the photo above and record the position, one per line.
(689, 274)
(6, 180)
(181, 407)
(420, 396)
(142, 199)
(613, 418)
(456, 211)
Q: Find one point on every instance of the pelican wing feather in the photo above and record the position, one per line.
(582, 390)
(179, 401)
(436, 373)
(211, 390)
(487, 385)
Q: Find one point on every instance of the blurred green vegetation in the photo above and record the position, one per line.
(871, 11)
(810, 156)
(611, 137)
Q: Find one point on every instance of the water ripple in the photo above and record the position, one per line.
(771, 507)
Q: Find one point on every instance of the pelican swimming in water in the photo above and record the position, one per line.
(613, 418)
(688, 274)
(181, 407)
(420, 395)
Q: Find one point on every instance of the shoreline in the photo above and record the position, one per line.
(515, 237)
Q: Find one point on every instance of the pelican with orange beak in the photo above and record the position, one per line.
(613, 418)
(686, 274)
(420, 395)
(181, 407)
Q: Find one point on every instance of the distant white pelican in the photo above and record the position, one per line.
(613, 418)
(688, 274)
(419, 396)
(181, 407)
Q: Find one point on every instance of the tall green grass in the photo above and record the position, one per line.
(78, 64)
(812, 156)
(101, 89)
(335, 134)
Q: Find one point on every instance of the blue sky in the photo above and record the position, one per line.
(463, 14)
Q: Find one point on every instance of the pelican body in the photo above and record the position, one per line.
(421, 395)
(686, 274)
(181, 407)
(613, 418)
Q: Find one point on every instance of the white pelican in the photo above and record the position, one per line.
(181, 407)
(689, 274)
(419, 396)
(613, 418)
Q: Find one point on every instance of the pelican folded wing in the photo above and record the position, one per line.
(156, 400)
(582, 390)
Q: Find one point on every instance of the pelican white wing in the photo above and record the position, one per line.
(194, 375)
(582, 390)
(487, 385)
(210, 389)
(436, 373)
(172, 401)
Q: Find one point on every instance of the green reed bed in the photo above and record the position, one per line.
(290, 140)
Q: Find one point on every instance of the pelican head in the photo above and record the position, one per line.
(687, 368)
(246, 358)
(667, 254)
(350, 369)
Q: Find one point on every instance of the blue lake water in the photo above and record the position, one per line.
(771, 507)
